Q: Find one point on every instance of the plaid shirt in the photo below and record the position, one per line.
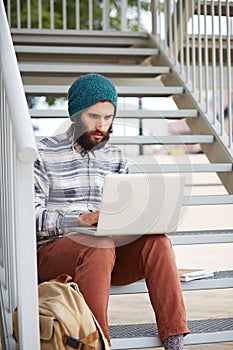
(69, 181)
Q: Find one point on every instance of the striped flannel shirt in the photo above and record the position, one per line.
(69, 181)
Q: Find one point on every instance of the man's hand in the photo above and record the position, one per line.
(90, 219)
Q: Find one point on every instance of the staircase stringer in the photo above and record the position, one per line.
(217, 152)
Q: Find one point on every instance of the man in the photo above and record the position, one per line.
(68, 187)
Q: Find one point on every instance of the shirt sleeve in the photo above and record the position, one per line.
(49, 222)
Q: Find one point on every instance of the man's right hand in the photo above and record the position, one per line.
(90, 219)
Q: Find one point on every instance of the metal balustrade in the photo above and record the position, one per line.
(197, 36)
(18, 276)
(76, 14)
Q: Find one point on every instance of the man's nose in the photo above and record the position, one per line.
(101, 125)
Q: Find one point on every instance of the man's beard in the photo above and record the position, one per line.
(82, 137)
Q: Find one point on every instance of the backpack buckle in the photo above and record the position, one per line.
(73, 342)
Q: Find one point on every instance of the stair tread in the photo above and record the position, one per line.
(121, 90)
(221, 279)
(208, 200)
(167, 139)
(84, 37)
(180, 113)
(157, 140)
(202, 236)
(181, 168)
(144, 335)
(82, 50)
(52, 67)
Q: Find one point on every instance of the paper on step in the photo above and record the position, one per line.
(186, 277)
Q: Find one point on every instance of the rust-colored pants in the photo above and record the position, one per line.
(94, 268)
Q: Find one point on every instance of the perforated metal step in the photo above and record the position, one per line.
(139, 336)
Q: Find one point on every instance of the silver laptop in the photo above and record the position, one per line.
(138, 204)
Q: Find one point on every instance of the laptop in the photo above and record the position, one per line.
(138, 204)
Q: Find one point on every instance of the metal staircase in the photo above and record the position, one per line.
(141, 67)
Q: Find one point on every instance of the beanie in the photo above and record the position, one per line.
(87, 90)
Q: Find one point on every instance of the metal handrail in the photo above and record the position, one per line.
(19, 113)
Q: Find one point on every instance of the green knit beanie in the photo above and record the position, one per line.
(87, 90)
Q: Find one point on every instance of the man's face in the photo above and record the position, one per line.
(92, 127)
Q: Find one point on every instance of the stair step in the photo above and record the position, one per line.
(208, 200)
(83, 50)
(158, 140)
(140, 336)
(74, 69)
(84, 38)
(61, 90)
(181, 168)
(221, 279)
(201, 237)
(142, 114)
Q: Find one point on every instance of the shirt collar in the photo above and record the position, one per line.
(82, 151)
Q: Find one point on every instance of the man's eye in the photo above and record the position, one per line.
(108, 117)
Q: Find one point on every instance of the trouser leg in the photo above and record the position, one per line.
(152, 257)
(90, 268)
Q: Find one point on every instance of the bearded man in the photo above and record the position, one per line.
(69, 175)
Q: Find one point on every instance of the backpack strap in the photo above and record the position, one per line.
(81, 344)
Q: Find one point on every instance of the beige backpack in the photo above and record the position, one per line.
(66, 321)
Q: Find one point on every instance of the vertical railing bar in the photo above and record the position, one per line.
(18, 14)
(3, 177)
(199, 51)
(106, 14)
(169, 16)
(206, 59)
(193, 49)
(64, 14)
(51, 14)
(39, 14)
(213, 64)
(221, 105)
(28, 14)
(181, 38)
(124, 6)
(166, 4)
(77, 15)
(90, 15)
(1, 169)
(154, 9)
(9, 12)
(175, 34)
(229, 74)
(9, 208)
(158, 18)
(187, 42)
(139, 14)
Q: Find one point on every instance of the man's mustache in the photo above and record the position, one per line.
(94, 132)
